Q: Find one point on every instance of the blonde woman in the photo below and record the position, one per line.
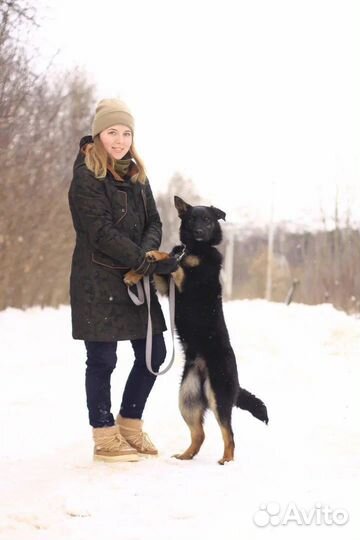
(116, 223)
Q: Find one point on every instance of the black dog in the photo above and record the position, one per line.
(210, 378)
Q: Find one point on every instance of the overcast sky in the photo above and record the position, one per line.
(252, 99)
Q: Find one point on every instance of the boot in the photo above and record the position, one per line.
(111, 446)
(131, 430)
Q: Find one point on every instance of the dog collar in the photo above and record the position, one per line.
(181, 254)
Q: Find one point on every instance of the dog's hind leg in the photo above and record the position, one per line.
(192, 407)
(229, 445)
(194, 420)
(222, 408)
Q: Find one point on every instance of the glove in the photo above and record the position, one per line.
(166, 266)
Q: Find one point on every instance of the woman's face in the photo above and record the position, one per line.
(116, 140)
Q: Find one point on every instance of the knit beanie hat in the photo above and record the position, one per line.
(110, 112)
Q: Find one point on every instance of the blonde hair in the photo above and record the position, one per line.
(99, 162)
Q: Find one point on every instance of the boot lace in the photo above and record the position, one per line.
(140, 440)
(113, 442)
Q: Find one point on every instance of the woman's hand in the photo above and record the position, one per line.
(158, 263)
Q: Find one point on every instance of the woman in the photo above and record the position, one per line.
(116, 224)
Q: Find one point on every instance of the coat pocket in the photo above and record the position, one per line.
(104, 260)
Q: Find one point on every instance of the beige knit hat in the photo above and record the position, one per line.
(110, 112)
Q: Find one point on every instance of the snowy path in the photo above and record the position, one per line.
(304, 362)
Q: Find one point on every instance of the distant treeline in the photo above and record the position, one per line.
(42, 116)
(324, 265)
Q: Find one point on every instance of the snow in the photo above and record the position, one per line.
(303, 361)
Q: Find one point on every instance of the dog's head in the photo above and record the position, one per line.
(199, 224)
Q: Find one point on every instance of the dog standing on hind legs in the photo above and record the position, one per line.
(210, 377)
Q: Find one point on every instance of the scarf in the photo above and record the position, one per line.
(122, 166)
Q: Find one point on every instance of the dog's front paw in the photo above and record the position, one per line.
(153, 256)
(131, 278)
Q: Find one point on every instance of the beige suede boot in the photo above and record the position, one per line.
(111, 446)
(131, 430)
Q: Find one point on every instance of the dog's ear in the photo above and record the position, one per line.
(219, 214)
(181, 206)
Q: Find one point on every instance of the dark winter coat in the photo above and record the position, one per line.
(116, 223)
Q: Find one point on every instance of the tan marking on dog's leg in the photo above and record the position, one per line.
(225, 431)
(197, 435)
(161, 284)
(192, 412)
(229, 445)
(191, 261)
(209, 393)
(178, 276)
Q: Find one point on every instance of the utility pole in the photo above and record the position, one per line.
(228, 266)
(270, 250)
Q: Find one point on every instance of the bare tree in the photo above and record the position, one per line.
(42, 118)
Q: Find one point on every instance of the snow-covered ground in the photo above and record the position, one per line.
(303, 361)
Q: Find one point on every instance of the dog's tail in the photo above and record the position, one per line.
(251, 403)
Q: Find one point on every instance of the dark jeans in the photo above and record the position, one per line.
(101, 361)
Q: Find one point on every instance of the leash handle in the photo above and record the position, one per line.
(139, 300)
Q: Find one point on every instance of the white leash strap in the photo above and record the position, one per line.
(139, 300)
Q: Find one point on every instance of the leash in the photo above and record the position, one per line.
(138, 301)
